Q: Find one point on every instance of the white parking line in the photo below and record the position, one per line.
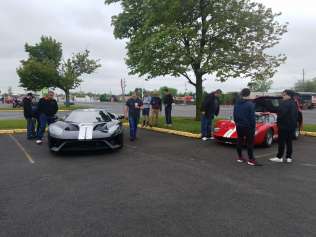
(27, 155)
(308, 165)
(265, 155)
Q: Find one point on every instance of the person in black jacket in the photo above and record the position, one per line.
(28, 115)
(168, 101)
(287, 121)
(47, 108)
(210, 109)
(245, 120)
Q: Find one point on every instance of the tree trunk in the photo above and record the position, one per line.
(199, 95)
(67, 93)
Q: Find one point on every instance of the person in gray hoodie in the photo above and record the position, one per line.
(245, 120)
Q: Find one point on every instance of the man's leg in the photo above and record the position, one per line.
(166, 114)
(30, 128)
(156, 112)
(281, 143)
(203, 126)
(42, 126)
(210, 127)
(240, 139)
(169, 114)
(250, 138)
(131, 127)
(289, 145)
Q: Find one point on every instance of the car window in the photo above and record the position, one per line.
(88, 117)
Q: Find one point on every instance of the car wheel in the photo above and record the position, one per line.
(121, 141)
(268, 141)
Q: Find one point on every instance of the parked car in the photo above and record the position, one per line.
(86, 129)
(266, 124)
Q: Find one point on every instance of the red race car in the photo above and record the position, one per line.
(266, 127)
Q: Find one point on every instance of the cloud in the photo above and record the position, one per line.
(87, 24)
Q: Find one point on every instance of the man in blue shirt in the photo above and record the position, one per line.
(132, 111)
(245, 120)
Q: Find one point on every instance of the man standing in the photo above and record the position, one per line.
(47, 108)
(245, 120)
(28, 115)
(156, 107)
(210, 109)
(287, 122)
(132, 111)
(146, 109)
(168, 101)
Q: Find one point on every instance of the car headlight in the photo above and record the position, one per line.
(114, 129)
(53, 129)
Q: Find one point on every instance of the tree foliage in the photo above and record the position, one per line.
(173, 91)
(194, 39)
(46, 68)
(260, 85)
(306, 86)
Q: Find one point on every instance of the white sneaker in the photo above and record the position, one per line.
(212, 138)
(289, 160)
(39, 142)
(204, 138)
(276, 159)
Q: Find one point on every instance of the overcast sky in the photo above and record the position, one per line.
(81, 24)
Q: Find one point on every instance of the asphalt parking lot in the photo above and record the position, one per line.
(159, 185)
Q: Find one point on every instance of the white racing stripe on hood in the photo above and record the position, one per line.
(85, 131)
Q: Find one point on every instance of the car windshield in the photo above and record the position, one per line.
(88, 117)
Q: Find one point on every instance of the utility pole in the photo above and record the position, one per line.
(123, 87)
(303, 75)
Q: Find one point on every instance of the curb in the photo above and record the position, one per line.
(170, 131)
(310, 134)
(156, 129)
(20, 110)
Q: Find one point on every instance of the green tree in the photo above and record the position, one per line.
(306, 86)
(40, 70)
(260, 85)
(45, 68)
(173, 91)
(72, 69)
(196, 39)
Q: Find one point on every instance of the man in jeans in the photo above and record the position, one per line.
(28, 115)
(210, 109)
(245, 120)
(132, 111)
(47, 108)
(168, 101)
(287, 122)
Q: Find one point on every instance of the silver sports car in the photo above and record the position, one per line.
(86, 129)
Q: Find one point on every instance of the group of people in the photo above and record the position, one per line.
(245, 121)
(151, 106)
(39, 114)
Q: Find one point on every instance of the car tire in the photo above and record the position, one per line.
(121, 141)
(268, 140)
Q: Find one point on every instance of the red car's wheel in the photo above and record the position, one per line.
(268, 140)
